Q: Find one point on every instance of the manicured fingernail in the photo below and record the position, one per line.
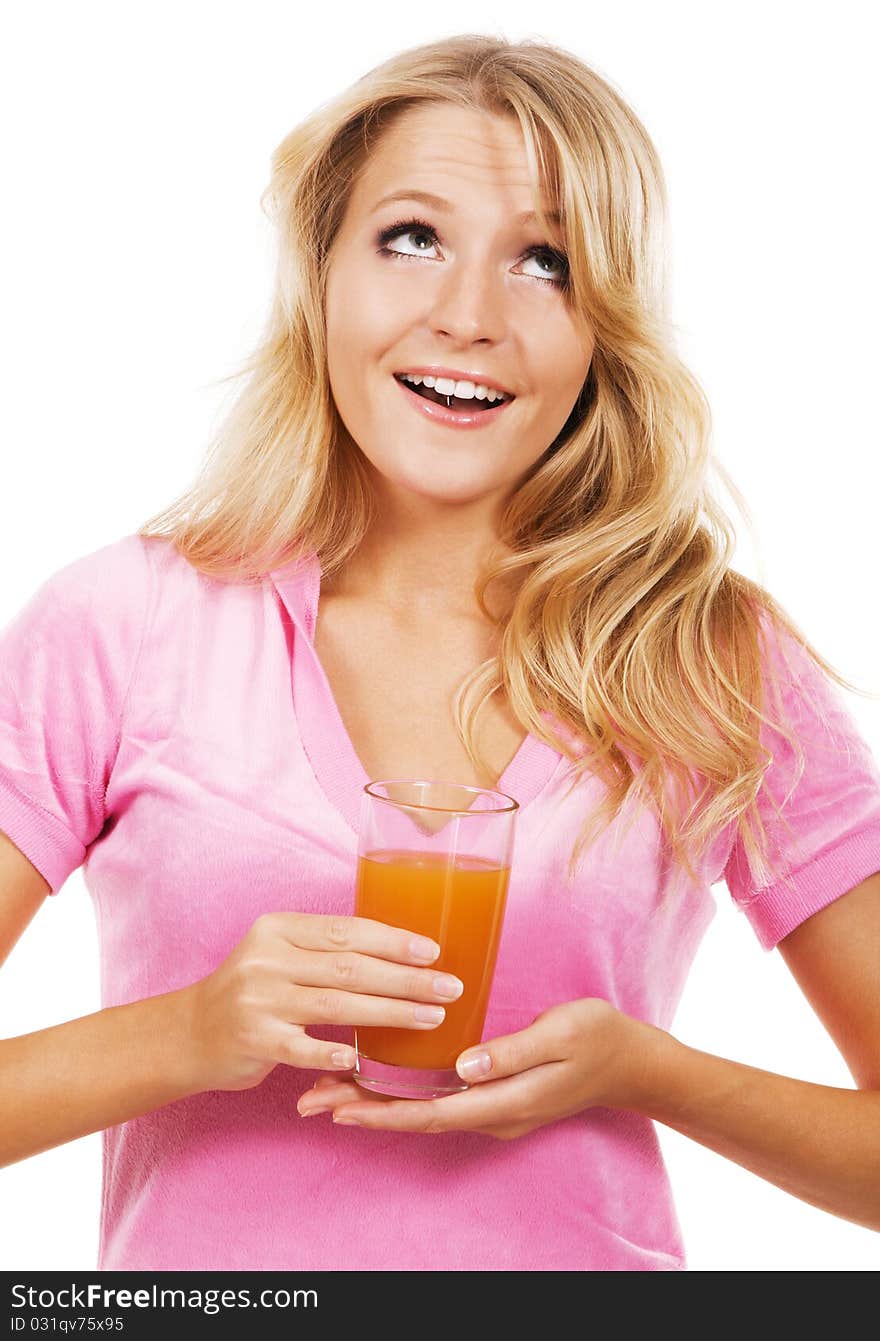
(429, 1014)
(346, 1121)
(422, 948)
(448, 986)
(477, 1065)
(343, 1059)
(310, 1112)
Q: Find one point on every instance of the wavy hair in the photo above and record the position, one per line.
(631, 646)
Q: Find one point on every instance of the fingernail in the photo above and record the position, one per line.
(346, 1121)
(422, 948)
(310, 1112)
(476, 1065)
(343, 1059)
(430, 1014)
(448, 986)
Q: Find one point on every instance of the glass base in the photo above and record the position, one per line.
(405, 1082)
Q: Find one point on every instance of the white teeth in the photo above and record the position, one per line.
(446, 386)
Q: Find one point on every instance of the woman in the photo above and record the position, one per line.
(192, 712)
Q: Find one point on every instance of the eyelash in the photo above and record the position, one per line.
(420, 226)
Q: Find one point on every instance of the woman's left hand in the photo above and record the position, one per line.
(577, 1055)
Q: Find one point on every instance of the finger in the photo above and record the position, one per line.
(353, 972)
(294, 1047)
(471, 1110)
(332, 1095)
(317, 931)
(510, 1054)
(328, 1082)
(330, 1092)
(326, 1005)
(333, 1090)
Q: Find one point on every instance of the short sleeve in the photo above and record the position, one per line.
(66, 661)
(822, 823)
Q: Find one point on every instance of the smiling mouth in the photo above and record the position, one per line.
(452, 402)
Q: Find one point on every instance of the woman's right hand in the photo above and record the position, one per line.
(296, 969)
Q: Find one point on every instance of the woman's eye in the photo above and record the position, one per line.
(426, 238)
(412, 232)
(543, 256)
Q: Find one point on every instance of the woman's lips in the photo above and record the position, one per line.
(440, 414)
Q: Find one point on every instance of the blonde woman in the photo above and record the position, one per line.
(457, 525)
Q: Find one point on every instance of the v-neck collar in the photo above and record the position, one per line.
(328, 746)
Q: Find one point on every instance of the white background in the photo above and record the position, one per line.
(135, 273)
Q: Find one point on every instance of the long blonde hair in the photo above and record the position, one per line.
(628, 627)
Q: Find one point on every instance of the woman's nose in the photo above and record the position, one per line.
(469, 302)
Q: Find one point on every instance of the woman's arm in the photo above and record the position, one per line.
(78, 1077)
(819, 1142)
(93, 1072)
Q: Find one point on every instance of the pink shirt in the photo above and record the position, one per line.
(178, 738)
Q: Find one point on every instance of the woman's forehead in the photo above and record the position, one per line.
(454, 166)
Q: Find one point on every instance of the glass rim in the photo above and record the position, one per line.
(445, 810)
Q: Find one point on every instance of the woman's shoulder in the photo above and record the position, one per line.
(107, 591)
(119, 566)
(129, 564)
(94, 588)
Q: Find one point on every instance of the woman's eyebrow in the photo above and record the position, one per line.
(438, 203)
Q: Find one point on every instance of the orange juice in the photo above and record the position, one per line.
(459, 903)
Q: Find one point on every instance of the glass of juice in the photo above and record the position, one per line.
(434, 857)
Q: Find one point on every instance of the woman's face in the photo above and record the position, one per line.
(458, 290)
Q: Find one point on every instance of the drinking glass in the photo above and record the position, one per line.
(434, 857)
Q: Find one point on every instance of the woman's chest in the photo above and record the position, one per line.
(395, 687)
